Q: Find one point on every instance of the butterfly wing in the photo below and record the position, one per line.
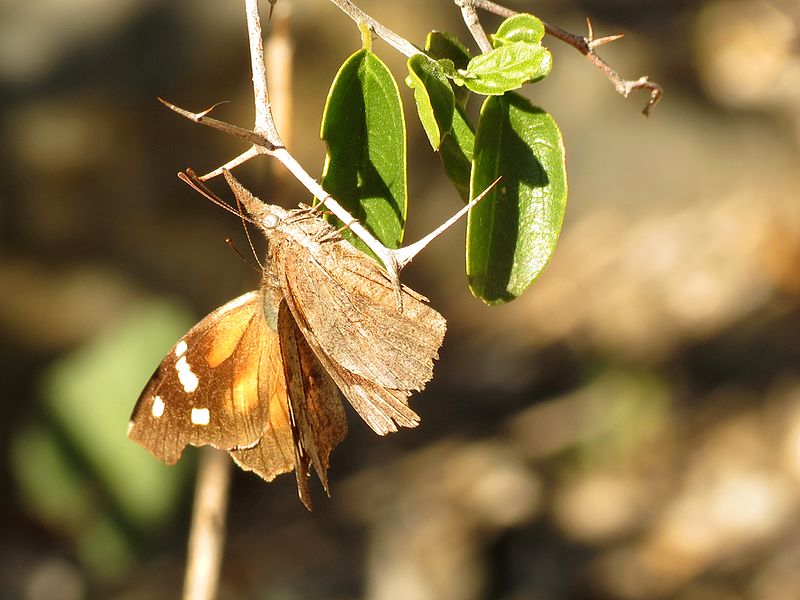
(315, 412)
(345, 306)
(221, 384)
(380, 407)
(343, 297)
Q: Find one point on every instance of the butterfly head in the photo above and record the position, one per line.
(266, 216)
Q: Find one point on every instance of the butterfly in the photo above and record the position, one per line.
(260, 376)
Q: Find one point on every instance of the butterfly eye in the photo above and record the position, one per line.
(270, 221)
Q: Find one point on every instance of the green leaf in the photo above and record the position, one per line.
(519, 28)
(456, 152)
(443, 45)
(364, 129)
(506, 68)
(433, 96)
(512, 233)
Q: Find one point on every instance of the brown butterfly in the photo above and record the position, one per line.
(258, 377)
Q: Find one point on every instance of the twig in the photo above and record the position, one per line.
(586, 46)
(207, 535)
(474, 25)
(264, 122)
(397, 42)
(266, 140)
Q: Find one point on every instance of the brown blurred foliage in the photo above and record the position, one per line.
(628, 429)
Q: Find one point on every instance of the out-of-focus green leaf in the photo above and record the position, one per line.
(433, 96)
(75, 467)
(512, 233)
(364, 129)
(52, 487)
(456, 153)
(443, 45)
(91, 393)
(519, 28)
(506, 68)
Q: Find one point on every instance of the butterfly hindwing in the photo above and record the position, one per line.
(313, 396)
(274, 452)
(314, 417)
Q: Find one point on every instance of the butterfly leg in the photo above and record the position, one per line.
(335, 234)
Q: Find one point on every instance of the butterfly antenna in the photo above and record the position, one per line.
(233, 247)
(190, 178)
(247, 233)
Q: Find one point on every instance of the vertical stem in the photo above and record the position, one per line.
(264, 121)
(207, 535)
(279, 53)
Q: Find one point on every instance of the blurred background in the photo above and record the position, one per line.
(628, 429)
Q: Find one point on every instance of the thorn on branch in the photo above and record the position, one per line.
(586, 46)
(592, 43)
(255, 138)
(605, 40)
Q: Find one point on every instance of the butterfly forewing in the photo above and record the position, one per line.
(340, 297)
(207, 389)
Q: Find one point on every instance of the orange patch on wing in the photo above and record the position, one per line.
(245, 385)
(228, 332)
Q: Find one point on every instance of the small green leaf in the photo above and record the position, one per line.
(506, 68)
(448, 68)
(512, 233)
(456, 152)
(443, 45)
(365, 166)
(519, 28)
(433, 96)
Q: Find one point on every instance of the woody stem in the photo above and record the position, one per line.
(207, 534)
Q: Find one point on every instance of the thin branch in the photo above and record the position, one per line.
(386, 255)
(267, 141)
(397, 42)
(265, 138)
(251, 152)
(264, 121)
(406, 254)
(474, 25)
(207, 535)
(586, 46)
(255, 138)
(263, 146)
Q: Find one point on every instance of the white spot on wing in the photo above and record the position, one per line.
(180, 349)
(188, 380)
(200, 416)
(158, 406)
